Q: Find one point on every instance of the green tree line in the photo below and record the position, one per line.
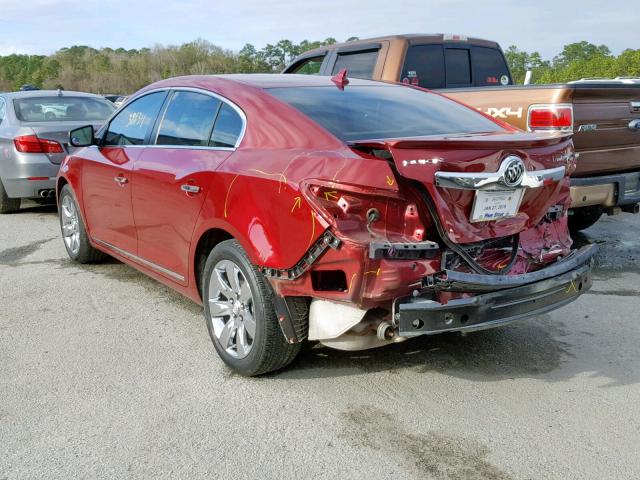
(108, 70)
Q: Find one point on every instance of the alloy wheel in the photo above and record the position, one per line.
(70, 225)
(231, 309)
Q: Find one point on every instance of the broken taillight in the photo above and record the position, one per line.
(550, 117)
(360, 213)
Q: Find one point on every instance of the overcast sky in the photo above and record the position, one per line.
(43, 26)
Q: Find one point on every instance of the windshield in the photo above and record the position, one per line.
(62, 109)
(385, 111)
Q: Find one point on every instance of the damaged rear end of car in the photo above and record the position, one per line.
(447, 221)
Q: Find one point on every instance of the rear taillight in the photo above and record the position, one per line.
(550, 117)
(33, 144)
(359, 213)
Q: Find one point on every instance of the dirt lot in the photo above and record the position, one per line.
(104, 373)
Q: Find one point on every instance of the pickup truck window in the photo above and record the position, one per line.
(358, 64)
(489, 67)
(371, 112)
(424, 66)
(458, 67)
(308, 66)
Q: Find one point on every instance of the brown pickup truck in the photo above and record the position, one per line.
(604, 116)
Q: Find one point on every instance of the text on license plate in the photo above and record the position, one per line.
(492, 205)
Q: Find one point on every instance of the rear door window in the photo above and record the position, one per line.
(489, 67)
(458, 67)
(358, 64)
(188, 119)
(308, 66)
(2, 109)
(133, 123)
(424, 66)
(227, 129)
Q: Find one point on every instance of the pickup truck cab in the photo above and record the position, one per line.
(603, 115)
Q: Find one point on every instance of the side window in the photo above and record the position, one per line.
(188, 119)
(308, 66)
(458, 67)
(489, 67)
(358, 64)
(133, 123)
(424, 66)
(227, 128)
(2, 109)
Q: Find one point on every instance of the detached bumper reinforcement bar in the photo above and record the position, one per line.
(421, 316)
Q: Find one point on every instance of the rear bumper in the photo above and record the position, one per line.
(17, 172)
(506, 299)
(606, 190)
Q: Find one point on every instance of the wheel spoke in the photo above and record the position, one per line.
(249, 323)
(233, 272)
(245, 292)
(219, 308)
(67, 230)
(241, 341)
(225, 334)
(221, 284)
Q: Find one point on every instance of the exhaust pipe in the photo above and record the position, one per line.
(385, 331)
(43, 193)
(48, 193)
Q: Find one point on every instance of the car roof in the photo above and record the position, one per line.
(260, 80)
(49, 93)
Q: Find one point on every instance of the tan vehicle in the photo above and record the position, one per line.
(604, 115)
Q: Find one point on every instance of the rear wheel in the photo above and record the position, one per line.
(74, 233)
(583, 217)
(240, 316)
(8, 205)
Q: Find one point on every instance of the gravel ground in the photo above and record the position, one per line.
(105, 373)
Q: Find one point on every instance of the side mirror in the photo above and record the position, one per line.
(82, 137)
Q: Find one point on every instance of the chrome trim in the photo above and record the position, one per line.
(495, 180)
(142, 261)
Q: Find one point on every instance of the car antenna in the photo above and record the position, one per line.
(340, 79)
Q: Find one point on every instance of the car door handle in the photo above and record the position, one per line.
(190, 188)
(121, 180)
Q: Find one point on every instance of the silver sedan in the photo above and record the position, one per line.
(34, 127)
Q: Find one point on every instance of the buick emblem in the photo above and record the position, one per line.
(513, 168)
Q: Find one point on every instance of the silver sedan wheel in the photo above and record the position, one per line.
(231, 309)
(70, 225)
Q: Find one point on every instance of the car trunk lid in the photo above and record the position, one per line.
(421, 159)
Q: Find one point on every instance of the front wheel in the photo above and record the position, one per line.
(240, 316)
(74, 233)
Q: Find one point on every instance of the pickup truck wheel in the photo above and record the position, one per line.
(583, 217)
(74, 233)
(240, 315)
(8, 205)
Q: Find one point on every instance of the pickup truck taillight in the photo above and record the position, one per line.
(550, 117)
(33, 144)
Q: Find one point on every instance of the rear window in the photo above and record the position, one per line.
(489, 67)
(374, 112)
(358, 64)
(62, 109)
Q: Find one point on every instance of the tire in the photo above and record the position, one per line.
(583, 217)
(248, 295)
(8, 205)
(74, 233)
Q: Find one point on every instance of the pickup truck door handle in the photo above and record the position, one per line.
(188, 188)
(121, 180)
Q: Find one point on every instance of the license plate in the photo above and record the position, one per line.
(494, 205)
